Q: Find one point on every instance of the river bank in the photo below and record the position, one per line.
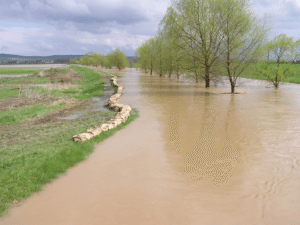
(194, 156)
(37, 125)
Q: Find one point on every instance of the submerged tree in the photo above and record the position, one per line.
(199, 25)
(146, 55)
(173, 53)
(158, 52)
(243, 38)
(281, 50)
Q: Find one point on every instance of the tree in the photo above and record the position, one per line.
(243, 38)
(145, 55)
(97, 59)
(118, 58)
(172, 51)
(199, 26)
(158, 53)
(85, 60)
(281, 49)
(108, 61)
(73, 61)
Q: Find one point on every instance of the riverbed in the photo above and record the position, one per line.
(194, 156)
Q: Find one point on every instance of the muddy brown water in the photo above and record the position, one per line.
(194, 156)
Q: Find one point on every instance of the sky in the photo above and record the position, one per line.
(63, 27)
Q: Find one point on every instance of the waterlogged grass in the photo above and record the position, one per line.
(90, 85)
(7, 92)
(18, 71)
(18, 115)
(41, 153)
(24, 80)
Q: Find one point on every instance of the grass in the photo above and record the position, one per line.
(41, 154)
(32, 155)
(18, 71)
(7, 92)
(91, 85)
(25, 80)
(18, 115)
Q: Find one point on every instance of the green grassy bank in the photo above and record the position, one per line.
(32, 154)
(252, 73)
(18, 71)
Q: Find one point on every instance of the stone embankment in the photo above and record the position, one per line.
(122, 116)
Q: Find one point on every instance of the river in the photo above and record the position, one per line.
(194, 156)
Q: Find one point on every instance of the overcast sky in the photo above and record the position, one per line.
(59, 27)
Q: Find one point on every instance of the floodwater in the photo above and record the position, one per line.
(29, 66)
(12, 76)
(194, 156)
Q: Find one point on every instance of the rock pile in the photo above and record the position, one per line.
(122, 116)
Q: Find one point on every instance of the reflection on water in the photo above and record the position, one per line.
(242, 145)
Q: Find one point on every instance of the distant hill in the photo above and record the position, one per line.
(10, 57)
(6, 57)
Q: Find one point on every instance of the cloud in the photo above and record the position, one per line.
(84, 48)
(40, 27)
(4, 48)
(78, 12)
(285, 15)
(42, 46)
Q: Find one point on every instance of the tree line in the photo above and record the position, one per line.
(215, 38)
(116, 58)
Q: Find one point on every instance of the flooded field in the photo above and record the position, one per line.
(194, 156)
(46, 66)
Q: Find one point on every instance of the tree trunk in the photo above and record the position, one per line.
(232, 87)
(207, 80)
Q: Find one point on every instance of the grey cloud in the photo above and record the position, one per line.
(85, 13)
(42, 46)
(78, 26)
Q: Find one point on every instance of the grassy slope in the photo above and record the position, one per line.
(18, 71)
(40, 153)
